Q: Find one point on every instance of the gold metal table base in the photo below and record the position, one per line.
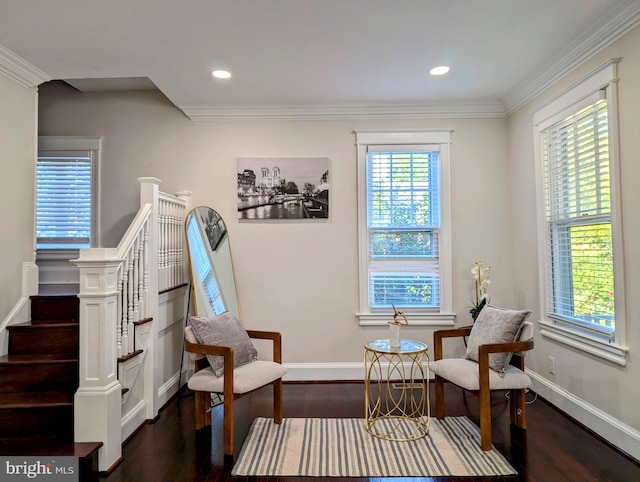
(396, 390)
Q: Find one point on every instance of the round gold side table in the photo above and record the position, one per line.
(396, 390)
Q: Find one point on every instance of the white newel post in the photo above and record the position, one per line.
(149, 193)
(98, 399)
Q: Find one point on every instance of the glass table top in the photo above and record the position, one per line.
(406, 346)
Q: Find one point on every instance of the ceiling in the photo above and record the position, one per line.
(313, 58)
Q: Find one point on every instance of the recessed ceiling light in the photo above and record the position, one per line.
(440, 70)
(221, 74)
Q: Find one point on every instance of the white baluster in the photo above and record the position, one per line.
(141, 305)
(165, 245)
(136, 274)
(130, 284)
(124, 318)
(119, 313)
(174, 243)
(146, 268)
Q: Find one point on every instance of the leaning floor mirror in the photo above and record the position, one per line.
(213, 283)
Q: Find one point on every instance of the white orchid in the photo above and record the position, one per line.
(481, 278)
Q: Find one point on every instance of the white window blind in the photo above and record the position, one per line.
(403, 221)
(64, 199)
(577, 175)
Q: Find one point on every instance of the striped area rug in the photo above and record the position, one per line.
(341, 447)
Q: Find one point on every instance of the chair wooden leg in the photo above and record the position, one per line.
(203, 412)
(518, 408)
(277, 401)
(227, 430)
(439, 397)
(485, 418)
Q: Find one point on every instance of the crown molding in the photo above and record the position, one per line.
(617, 24)
(20, 70)
(201, 113)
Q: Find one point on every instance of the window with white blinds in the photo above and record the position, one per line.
(65, 199)
(581, 255)
(404, 226)
(575, 153)
(66, 194)
(403, 221)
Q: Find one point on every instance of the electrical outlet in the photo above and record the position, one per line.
(552, 365)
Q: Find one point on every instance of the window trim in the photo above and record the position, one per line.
(441, 137)
(571, 99)
(62, 144)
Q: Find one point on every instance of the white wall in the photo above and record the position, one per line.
(602, 395)
(18, 109)
(297, 277)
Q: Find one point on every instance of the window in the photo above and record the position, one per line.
(66, 192)
(403, 225)
(580, 229)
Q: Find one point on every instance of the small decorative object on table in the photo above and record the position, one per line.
(394, 326)
(481, 277)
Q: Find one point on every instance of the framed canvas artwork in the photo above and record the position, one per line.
(283, 188)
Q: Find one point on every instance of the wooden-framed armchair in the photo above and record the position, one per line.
(246, 379)
(479, 377)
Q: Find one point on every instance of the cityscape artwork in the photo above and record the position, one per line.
(283, 188)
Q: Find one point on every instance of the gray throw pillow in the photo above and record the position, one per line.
(224, 330)
(495, 325)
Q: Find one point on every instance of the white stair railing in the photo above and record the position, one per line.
(133, 248)
(172, 211)
(119, 287)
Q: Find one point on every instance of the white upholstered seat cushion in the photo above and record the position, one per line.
(245, 378)
(464, 373)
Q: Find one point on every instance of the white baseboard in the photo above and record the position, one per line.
(338, 371)
(133, 419)
(617, 433)
(22, 310)
(167, 390)
(324, 371)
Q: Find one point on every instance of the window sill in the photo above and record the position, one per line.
(415, 319)
(56, 253)
(608, 351)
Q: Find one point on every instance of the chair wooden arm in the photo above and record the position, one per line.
(514, 346)
(452, 333)
(270, 335)
(203, 349)
(225, 351)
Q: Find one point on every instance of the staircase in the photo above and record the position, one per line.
(39, 377)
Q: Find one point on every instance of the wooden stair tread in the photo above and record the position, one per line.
(44, 324)
(35, 399)
(129, 356)
(55, 322)
(143, 321)
(55, 296)
(31, 359)
(48, 446)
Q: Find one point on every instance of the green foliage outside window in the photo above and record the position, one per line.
(592, 273)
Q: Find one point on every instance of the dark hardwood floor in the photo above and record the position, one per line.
(553, 448)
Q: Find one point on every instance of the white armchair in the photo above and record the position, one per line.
(478, 376)
(246, 379)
